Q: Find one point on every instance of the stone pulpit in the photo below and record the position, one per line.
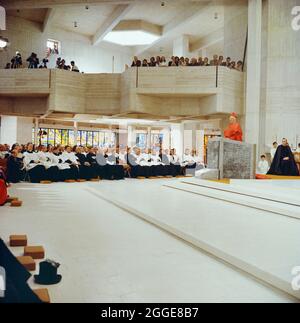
(232, 159)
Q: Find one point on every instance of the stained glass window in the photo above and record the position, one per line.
(96, 139)
(85, 138)
(101, 139)
(78, 138)
(57, 137)
(89, 141)
(71, 138)
(65, 137)
(33, 134)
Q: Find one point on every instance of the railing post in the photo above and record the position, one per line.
(137, 77)
(217, 75)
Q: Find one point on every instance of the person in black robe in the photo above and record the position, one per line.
(165, 160)
(15, 171)
(85, 170)
(91, 159)
(115, 170)
(284, 162)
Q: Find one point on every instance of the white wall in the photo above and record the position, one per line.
(177, 138)
(280, 102)
(27, 37)
(15, 129)
(235, 28)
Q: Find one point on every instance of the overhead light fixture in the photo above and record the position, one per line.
(3, 42)
(131, 38)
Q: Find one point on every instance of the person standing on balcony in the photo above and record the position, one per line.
(206, 62)
(136, 62)
(200, 61)
(182, 61)
(145, 63)
(74, 68)
(163, 62)
(33, 61)
(232, 65)
(228, 62)
(152, 62)
(215, 61)
(221, 60)
(239, 66)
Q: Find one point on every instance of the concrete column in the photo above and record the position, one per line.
(110, 131)
(75, 128)
(16, 130)
(167, 138)
(253, 91)
(131, 136)
(177, 138)
(123, 136)
(36, 131)
(181, 46)
(149, 143)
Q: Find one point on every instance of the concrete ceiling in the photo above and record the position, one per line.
(35, 15)
(96, 18)
(88, 21)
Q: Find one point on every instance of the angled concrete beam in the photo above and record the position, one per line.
(111, 22)
(208, 40)
(48, 18)
(34, 4)
(189, 13)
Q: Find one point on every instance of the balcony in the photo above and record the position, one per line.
(167, 91)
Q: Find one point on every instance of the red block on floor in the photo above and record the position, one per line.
(43, 295)
(259, 176)
(16, 203)
(27, 262)
(36, 252)
(18, 240)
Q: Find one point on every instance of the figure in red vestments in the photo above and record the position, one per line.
(234, 130)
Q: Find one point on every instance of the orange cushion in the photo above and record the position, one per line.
(36, 252)
(260, 176)
(16, 203)
(43, 295)
(27, 262)
(18, 240)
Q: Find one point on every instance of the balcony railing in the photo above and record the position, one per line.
(190, 89)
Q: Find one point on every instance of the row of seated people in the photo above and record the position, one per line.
(160, 61)
(65, 163)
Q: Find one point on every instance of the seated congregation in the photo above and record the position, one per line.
(64, 163)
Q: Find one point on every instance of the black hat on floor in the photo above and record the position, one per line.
(48, 273)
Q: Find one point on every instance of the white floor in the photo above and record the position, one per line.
(110, 255)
